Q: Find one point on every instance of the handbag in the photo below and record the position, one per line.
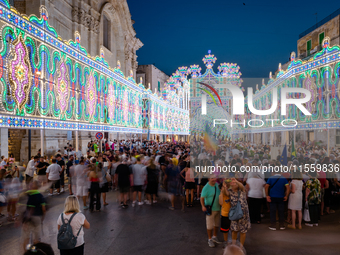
(108, 177)
(236, 211)
(209, 207)
(2, 198)
(306, 216)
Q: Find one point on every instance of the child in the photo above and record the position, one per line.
(224, 201)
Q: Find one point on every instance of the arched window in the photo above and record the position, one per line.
(106, 33)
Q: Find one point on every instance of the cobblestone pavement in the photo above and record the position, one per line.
(157, 230)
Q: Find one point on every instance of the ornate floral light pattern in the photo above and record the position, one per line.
(137, 111)
(20, 72)
(209, 60)
(195, 71)
(91, 95)
(63, 82)
(311, 87)
(112, 101)
(125, 106)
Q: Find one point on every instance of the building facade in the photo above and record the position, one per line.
(54, 87)
(149, 75)
(310, 41)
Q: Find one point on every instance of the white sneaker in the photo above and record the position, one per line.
(140, 203)
(50, 194)
(309, 225)
(62, 190)
(148, 202)
(316, 225)
(155, 201)
(133, 203)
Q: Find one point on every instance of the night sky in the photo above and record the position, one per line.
(257, 36)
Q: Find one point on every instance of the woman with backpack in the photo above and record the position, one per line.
(71, 217)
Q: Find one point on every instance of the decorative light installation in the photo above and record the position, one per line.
(20, 73)
(91, 95)
(195, 71)
(183, 72)
(112, 101)
(209, 60)
(230, 70)
(172, 83)
(63, 86)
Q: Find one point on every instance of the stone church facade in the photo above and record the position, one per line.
(102, 24)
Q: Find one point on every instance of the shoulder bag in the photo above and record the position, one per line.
(209, 207)
(236, 211)
(272, 186)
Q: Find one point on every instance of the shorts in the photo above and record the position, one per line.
(42, 178)
(138, 188)
(82, 191)
(69, 180)
(62, 179)
(33, 226)
(104, 188)
(213, 220)
(125, 189)
(55, 184)
(225, 224)
(151, 188)
(190, 185)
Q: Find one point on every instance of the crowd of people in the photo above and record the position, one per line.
(143, 170)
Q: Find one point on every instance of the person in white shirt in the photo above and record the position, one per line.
(3, 161)
(30, 169)
(80, 172)
(79, 154)
(255, 185)
(53, 175)
(78, 224)
(71, 152)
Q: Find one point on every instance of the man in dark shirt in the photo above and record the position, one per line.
(61, 163)
(68, 166)
(34, 214)
(41, 170)
(124, 178)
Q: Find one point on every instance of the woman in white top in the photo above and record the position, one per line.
(254, 188)
(78, 221)
(295, 198)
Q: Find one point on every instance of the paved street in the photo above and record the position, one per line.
(157, 230)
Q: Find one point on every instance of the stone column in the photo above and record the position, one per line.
(4, 142)
(271, 138)
(283, 138)
(77, 140)
(263, 138)
(42, 141)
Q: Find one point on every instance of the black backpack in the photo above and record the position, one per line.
(66, 239)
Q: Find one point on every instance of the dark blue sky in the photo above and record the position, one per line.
(257, 36)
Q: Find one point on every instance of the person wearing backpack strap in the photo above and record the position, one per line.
(238, 198)
(211, 207)
(277, 191)
(71, 242)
